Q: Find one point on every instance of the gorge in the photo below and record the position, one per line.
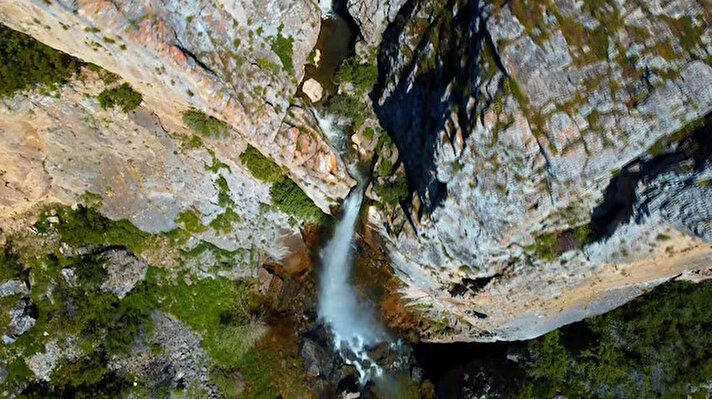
(399, 198)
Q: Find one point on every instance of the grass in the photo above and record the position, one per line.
(104, 326)
(205, 125)
(86, 227)
(26, 63)
(260, 166)
(122, 96)
(217, 308)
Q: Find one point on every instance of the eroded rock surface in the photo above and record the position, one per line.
(239, 61)
(510, 125)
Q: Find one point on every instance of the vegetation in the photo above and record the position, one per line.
(104, 326)
(286, 195)
(393, 192)
(122, 96)
(205, 125)
(25, 63)
(290, 199)
(260, 166)
(659, 345)
(362, 76)
(283, 47)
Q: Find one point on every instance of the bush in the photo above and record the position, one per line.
(362, 76)
(205, 125)
(392, 193)
(122, 96)
(290, 199)
(25, 62)
(260, 166)
(283, 47)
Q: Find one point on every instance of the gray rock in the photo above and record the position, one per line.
(43, 363)
(21, 320)
(124, 271)
(69, 276)
(13, 287)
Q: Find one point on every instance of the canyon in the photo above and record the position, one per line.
(530, 163)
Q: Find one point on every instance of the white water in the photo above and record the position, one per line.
(329, 124)
(326, 7)
(354, 326)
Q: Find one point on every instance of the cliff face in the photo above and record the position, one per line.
(517, 125)
(238, 61)
(541, 140)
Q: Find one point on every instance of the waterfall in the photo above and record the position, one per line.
(353, 325)
(326, 7)
(329, 125)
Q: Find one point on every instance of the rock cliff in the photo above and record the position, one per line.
(550, 147)
(512, 121)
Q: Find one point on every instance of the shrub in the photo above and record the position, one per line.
(392, 193)
(122, 96)
(205, 125)
(260, 166)
(348, 106)
(362, 76)
(283, 47)
(25, 62)
(87, 227)
(290, 199)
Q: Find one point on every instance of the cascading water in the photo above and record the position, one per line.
(353, 325)
(326, 7)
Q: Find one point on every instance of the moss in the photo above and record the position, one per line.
(223, 222)
(122, 96)
(205, 125)
(686, 31)
(289, 198)
(260, 166)
(190, 221)
(268, 65)
(26, 63)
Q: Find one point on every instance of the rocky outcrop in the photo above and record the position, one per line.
(372, 18)
(22, 317)
(238, 61)
(510, 121)
(67, 149)
(124, 270)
